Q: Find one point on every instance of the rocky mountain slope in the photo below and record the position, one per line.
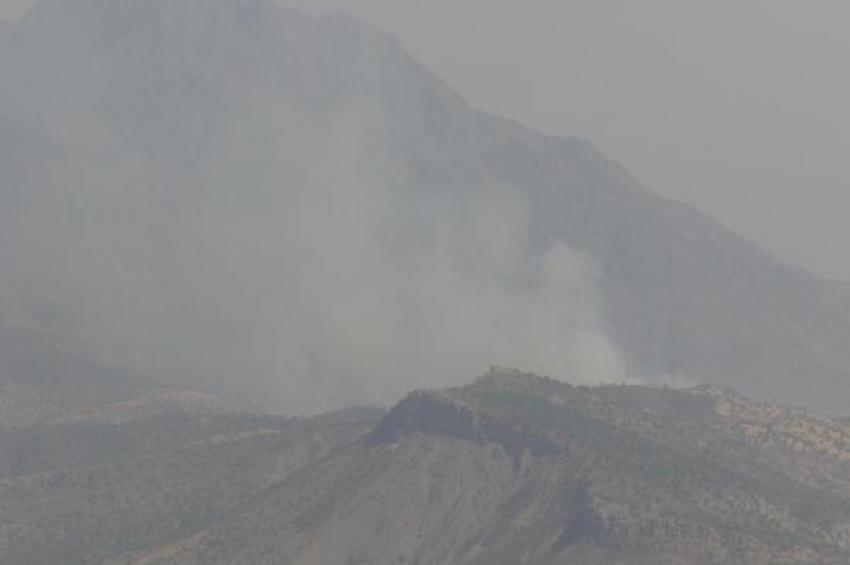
(160, 163)
(86, 492)
(513, 468)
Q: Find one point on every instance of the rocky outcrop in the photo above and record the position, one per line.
(439, 414)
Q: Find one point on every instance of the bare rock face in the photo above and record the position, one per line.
(439, 414)
(430, 414)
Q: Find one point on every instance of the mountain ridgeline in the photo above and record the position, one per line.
(513, 468)
(209, 188)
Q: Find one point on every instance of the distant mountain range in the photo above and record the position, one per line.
(513, 468)
(210, 188)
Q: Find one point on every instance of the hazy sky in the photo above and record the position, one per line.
(739, 107)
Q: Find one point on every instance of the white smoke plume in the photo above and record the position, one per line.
(221, 222)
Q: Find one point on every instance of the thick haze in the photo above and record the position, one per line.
(737, 107)
(229, 200)
(235, 194)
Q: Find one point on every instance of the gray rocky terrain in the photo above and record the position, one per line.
(513, 468)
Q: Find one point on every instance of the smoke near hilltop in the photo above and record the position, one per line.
(231, 196)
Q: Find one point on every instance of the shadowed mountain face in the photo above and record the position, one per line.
(511, 469)
(215, 188)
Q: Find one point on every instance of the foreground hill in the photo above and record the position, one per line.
(513, 468)
(84, 492)
(47, 374)
(179, 179)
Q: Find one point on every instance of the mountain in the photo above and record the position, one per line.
(84, 492)
(220, 187)
(513, 468)
(49, 375)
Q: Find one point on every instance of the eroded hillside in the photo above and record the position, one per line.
(520, 469)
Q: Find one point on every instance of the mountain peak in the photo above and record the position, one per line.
(503, 378)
